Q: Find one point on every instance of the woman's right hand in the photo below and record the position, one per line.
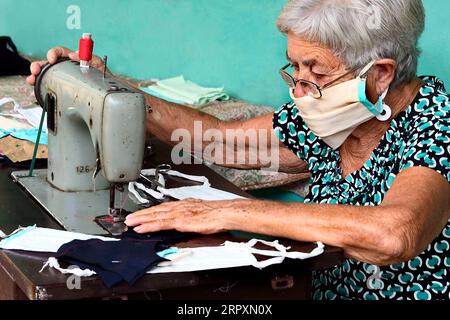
(52, 57)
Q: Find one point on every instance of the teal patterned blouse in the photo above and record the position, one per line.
(418, 136)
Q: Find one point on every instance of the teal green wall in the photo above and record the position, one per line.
(231, 43)
(435, 42)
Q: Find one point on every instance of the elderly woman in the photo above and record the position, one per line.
(374, 137)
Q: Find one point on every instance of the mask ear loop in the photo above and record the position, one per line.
(386, 113)
(363, 73)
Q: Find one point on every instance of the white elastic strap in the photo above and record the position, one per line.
(133, 191)
(284, 254)
(132, 188)
(282, 250)
(271, 253)
(2, 234)
(386, 114)
(53, 263)
(279, 255)
(174, 173)
(268, 262)
(160, 192)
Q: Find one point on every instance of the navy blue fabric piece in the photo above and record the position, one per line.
(166, 236)
(113, 261)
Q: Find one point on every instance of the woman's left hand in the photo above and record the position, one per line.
(189, 215)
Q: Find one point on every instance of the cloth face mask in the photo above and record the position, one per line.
(43, 239)
(341, 109)
(230, 255)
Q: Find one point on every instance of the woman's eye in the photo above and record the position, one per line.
(319, 76)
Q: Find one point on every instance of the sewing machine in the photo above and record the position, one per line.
(96, 140)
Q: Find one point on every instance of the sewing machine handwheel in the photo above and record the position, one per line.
(37, 84)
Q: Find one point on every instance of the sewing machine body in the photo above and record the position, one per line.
(96, 139)
(91, 117)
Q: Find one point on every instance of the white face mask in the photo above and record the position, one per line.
(42, 239)
(341, 109)
(230, 255)
(201, 192)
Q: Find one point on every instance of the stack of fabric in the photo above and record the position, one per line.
(181, 91)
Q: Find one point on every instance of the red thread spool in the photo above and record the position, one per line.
(86, 47)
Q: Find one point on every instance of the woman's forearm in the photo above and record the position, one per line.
(166, 117)
(235, 144)
(372, 233)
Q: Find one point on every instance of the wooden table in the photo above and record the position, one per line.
(20, 277)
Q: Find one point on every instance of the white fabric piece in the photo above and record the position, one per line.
(206, 258)
(201, 192)
(9, 100)
(43, 239)
(230, 255)
(2, 234)
(31, 115)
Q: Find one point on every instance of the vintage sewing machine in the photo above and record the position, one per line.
(96, 140)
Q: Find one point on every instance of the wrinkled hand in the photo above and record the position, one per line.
(189, 215)
(52, 57)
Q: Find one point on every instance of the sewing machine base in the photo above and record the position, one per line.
(75, 211)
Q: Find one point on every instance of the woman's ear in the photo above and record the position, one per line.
(384, 71)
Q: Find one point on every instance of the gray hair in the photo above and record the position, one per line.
(359, 31)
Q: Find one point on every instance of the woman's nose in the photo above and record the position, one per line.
(302, 88)
(299, 91)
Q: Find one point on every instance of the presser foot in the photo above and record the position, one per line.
(113, 222)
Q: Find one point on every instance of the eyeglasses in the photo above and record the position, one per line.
(311, 88)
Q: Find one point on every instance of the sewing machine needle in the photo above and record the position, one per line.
(112, 194)
(105, 63)
(96, 172)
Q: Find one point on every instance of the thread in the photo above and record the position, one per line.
(85, 49)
